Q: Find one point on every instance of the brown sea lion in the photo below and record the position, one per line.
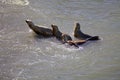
(56, 32)
(79, 34)
(65, 38)
(59, 35)
(44, 31)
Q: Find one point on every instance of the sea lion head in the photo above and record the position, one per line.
(77, 27)
(56, 32)
(55, 29)
(29, 22)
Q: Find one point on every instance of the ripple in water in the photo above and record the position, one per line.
(16, 2)
(66, 47)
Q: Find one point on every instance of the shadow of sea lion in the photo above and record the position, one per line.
(80, 35)
(40, 30)
(65, 38)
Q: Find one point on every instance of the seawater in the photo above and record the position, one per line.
(24, 56)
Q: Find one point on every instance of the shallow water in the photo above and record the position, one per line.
(24, 56)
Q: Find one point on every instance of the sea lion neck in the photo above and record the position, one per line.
(55, 29)
(77, 27)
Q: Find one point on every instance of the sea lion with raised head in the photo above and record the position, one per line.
(59, 35)
(65, 38)
(79, 34)
(56, 32)
(44, 31)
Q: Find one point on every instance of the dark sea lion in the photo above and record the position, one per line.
(65, 38)
(44, 31)
(56, 32)
(79, 34)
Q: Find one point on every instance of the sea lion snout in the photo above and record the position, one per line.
(27, 20)
(78, 24)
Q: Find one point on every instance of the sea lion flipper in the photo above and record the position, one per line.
(94, 38)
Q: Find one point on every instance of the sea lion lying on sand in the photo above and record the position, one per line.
(65, 38)
(79, 34)
(44, 31)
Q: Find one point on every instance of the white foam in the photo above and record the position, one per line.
(81, 48)
(30, 30)
(66, 47)
(16, 2)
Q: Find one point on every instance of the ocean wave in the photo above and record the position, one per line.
(16, 2)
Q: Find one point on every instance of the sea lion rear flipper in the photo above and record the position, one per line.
(94, 38)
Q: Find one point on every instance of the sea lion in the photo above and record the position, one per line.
(59, 35)
(56, 32)
(79, 34)
(65, 38)
(44, 31)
